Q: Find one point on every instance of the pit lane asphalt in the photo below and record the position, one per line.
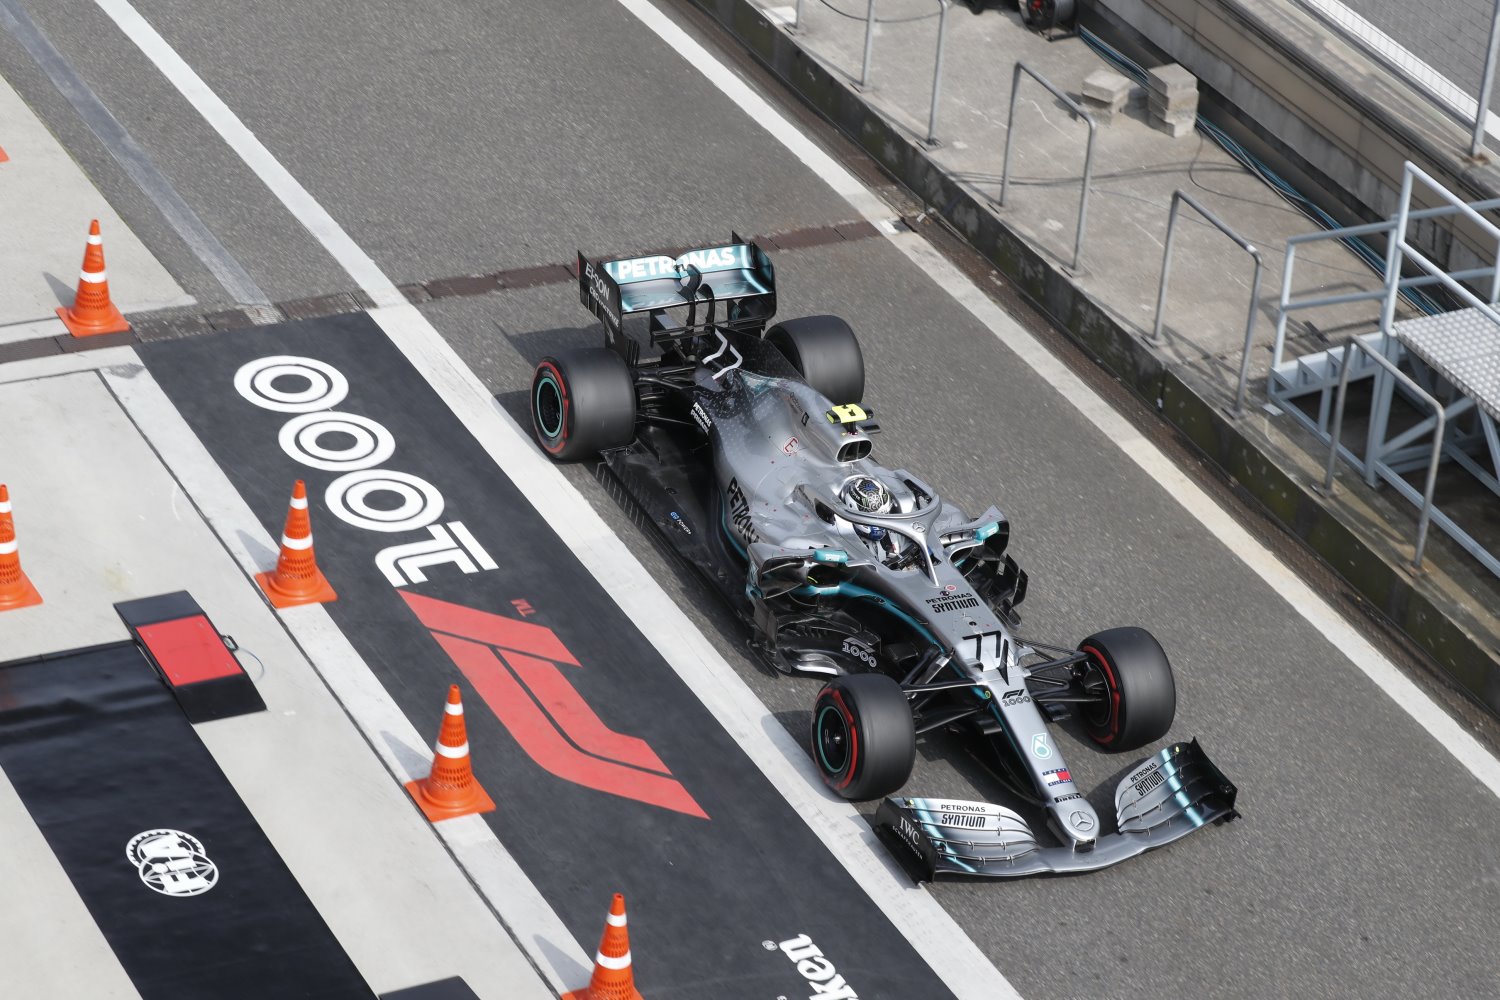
(478, 137)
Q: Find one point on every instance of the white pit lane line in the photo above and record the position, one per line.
(930, 929)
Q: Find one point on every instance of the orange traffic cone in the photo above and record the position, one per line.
(450, 789)
(92, 312)
(15, 590)
(612, 978)
(296, 579)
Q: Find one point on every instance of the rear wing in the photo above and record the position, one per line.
(730, 287)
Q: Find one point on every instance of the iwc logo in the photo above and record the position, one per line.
(172, 862)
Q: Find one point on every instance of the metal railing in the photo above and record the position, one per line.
(869, 46)
(1288, 304)
(1178, 197)
(1372, 462)
(1398, 249)
(937, 72)
(1088, 156)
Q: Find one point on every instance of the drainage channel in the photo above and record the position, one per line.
(176, 324)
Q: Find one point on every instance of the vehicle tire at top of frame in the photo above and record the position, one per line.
(582, 402)
(864, 740)
(1139, 696)
(825, 352)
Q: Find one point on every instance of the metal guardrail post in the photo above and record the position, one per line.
(1283, 305)
(797, 23)
(1482, 114)
(1179, 196)
(1439, 429)
(937, 71)
(864, 68)
(1088, 156)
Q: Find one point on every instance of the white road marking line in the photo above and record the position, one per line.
(930, 929)
(132, 158)
(1303, 600)
(250, 149)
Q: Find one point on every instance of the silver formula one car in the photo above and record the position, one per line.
(747, 445)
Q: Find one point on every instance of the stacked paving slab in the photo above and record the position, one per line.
(1105, 94)
(1172, 99)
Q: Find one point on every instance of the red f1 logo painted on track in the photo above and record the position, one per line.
(514, 667)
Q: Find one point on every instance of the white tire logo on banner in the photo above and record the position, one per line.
(172, 862)
(349, 498)
(326, 386)
(372, 443)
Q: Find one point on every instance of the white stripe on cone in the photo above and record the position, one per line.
(299, 503)
(453, 709)
(93, 277)
(4, 506)
(96, 240)
(462, 750)
(613, 964)
(614, 921)
(289, 542)
(7, 548)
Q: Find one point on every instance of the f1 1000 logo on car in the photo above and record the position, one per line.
(514, 665)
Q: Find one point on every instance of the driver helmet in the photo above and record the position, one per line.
(867, 495)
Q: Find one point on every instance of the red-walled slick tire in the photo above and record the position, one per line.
(1129, 671)
(582, 402)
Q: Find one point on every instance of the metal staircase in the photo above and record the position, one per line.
(1444, 367)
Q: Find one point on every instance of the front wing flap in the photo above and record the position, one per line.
(1162, 799)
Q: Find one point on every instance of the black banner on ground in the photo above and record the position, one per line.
(609, 773)
(181, 880)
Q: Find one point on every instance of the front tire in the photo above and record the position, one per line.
(825, 353)
(582, 402)
(863, 740)
(1129, 671)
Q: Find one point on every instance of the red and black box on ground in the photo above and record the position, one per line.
(191, 656)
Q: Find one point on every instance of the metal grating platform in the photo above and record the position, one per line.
(1463, 347)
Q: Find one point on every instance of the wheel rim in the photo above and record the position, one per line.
(547, 402)
(1093, 682)
(832, 737)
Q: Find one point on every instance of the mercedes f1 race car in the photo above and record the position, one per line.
(747, 444)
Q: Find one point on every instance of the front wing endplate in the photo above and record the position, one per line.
(1162, 799)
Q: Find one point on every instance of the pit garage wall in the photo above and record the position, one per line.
(1328, 118)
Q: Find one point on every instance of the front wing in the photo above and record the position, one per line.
(1163, 799)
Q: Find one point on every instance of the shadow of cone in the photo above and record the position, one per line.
(296, 578)
(613, 978)
(450, 790)
(15, 590)
(92, 312)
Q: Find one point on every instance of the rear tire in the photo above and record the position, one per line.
(1139, 695)
(863, 740)
(825, 353)
(582, 402)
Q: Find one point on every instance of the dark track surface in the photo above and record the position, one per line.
(481, 136)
